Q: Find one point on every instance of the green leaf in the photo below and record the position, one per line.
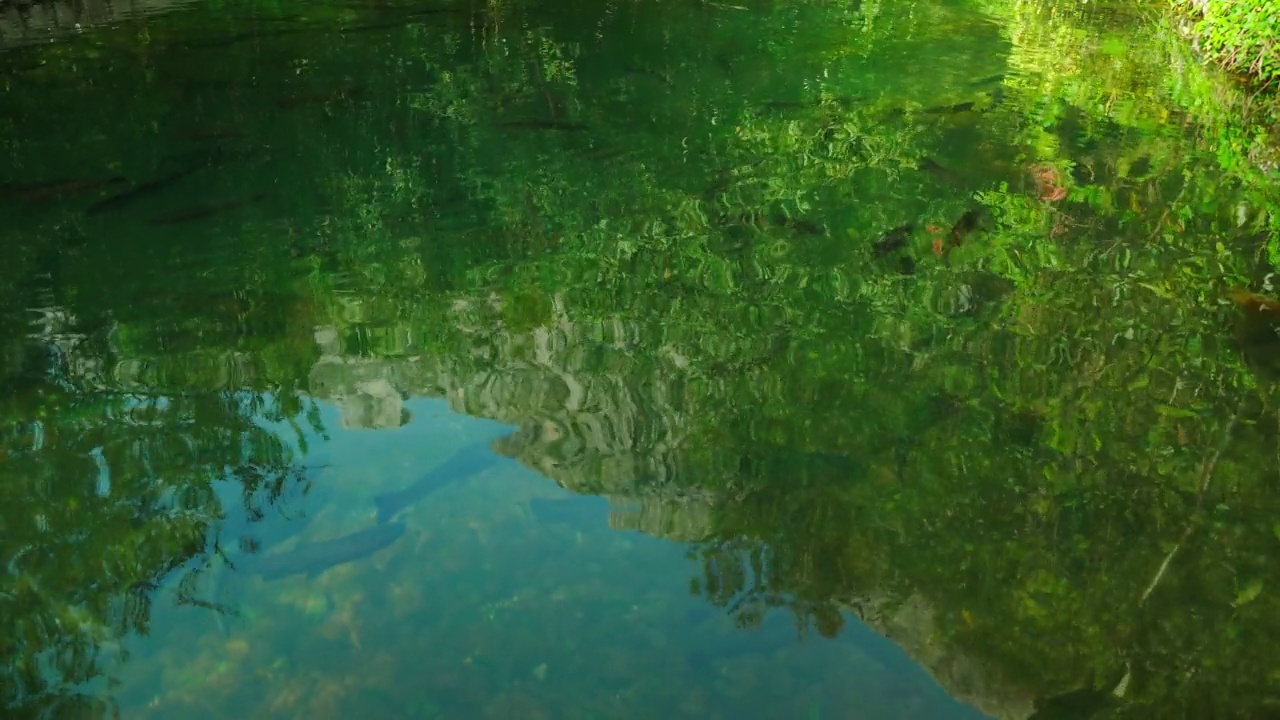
(1249, 593)
(1158, 290)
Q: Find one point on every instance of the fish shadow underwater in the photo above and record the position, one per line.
(313, 558)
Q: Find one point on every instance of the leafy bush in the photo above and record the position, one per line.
(1242, 35)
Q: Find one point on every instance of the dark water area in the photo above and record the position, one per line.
(635, 360)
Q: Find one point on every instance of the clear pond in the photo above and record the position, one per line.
(629, 360)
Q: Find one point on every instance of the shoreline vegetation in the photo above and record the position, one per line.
(1241, 36)
(1242, 39)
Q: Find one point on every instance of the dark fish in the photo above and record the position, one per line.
(770, 638)
(800, 466)
(839, 100)
(1082, 703)
(273, 512)
(187, 162)
(1140, 167)
(967, 223)
(894, 240)
(214, 155)
(578, 511)
(259, 522)
(1075, 705)
(757, 219)
(199, 84)
(288, 102)
(804, 226)
(203, 211)
(214, 134)
(314, 558)
(648, 72)
(411, 18)
(979, 290)
(561, 125)
(949, 109)
(726, 177)
(262, 536)
(58, 188)
(470, 460)
(240, 37)
(146, 189)
(931, 166)
(228, 40)
(989, 80)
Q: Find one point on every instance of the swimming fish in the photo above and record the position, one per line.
(799, 465)
(1084, 702)
(314, 558)
(931, 166)
(967, 223)
(470, 460)
(579, 511)
(57, 189)
(187, 162)
(561, 125)
(213, 134)
(803, 226)
(146, 189)
(989, 80)
(895, 239)
(200, 212)
(949, 109)
(415, 17)
(346, 92)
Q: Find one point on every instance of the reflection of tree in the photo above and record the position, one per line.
(84, 564)
(1023, 423)
(105, 495)
(1015, 432)
(736, 576)
(1026, 419)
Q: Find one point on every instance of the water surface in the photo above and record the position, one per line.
(626, 360)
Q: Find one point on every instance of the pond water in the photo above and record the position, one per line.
(646, 359)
